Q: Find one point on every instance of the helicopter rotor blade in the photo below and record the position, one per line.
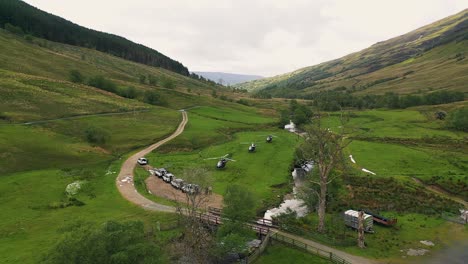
(214, 158)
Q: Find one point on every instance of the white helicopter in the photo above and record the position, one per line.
(269, 138)
(252, 146)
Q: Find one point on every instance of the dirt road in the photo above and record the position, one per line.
(124, 181)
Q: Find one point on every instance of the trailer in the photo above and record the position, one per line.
(351, 219)
(382, 220)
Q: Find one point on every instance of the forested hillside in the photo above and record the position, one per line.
(22, 18)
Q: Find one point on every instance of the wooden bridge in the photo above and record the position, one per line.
(261, 228)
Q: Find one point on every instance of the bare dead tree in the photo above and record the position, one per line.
(325, 149)
(197, 240)
(360, 241)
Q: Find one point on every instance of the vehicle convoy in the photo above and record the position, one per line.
(142, 161)
(177, 183)
(351, 219)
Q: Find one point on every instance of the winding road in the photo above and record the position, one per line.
(124, 183)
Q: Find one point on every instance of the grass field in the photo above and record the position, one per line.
(31, 223)
(395, 143)
(392, 243)
(264, 172)
(279, 253)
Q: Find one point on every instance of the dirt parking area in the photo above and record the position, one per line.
(160, 188)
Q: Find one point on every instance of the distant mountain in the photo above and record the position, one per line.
(228, 78)
(41, 24)
(428, 59)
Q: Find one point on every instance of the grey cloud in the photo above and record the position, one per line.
(264, 37)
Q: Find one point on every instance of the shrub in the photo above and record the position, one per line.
(459, 119)
(142, 79)
(75, 76)
(168, 83)
(112, 242)
(440, 115)
(4, 116)
(28, 38)
(243, 102)
(96, 135)
(129, 92)
(14, 29)
(100, 82)
(152, 97)
(152, 80)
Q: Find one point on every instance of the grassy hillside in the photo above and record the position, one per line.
(54, 132)
(22, 18)
(408, 145)
(424, 60)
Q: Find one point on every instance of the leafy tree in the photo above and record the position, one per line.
(459, 119)
(239, 208)
(101, 82)
(96, 135)
(111, 243)
(75, 76)
(152, 97)
(325, 149)
(129, 92)
(239, 204)
(298, 113)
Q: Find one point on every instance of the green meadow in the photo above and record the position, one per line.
(408, 143)
(279, 253)
(266, 172)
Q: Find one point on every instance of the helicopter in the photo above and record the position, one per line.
(222, 161)
(269, 138)
(252, 146)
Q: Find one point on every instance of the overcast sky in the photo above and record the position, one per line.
(263, 37)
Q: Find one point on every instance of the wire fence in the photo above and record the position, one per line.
(310, 249)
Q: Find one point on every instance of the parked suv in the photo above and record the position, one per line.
(177, 183)
(190, 188)
(167, 177)
(160, 172)
(142, 161)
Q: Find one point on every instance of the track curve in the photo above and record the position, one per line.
(124, 181)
